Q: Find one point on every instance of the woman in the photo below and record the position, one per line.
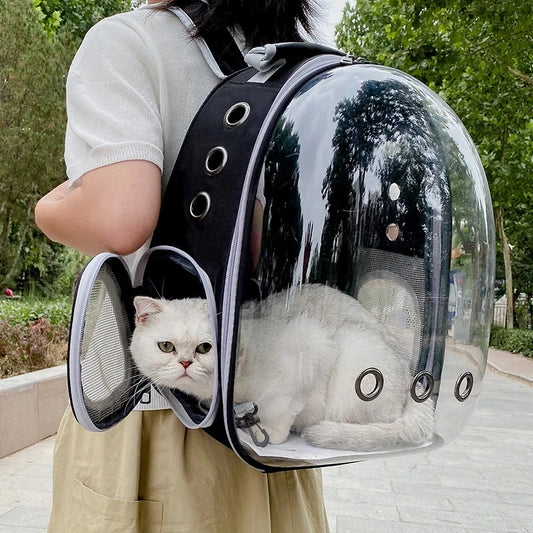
(132, 91)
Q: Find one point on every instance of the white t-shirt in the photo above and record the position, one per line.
(133, 89)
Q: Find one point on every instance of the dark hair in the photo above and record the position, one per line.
(261, 21)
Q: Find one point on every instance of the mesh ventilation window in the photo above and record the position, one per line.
(106, 368)
(108, 380)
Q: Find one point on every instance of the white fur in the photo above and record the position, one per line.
(299, 355)
(184, 323)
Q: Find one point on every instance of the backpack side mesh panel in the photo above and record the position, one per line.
(104, 382)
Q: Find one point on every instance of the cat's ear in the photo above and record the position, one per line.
(146, 307)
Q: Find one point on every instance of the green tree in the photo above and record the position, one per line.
(78, 15)
(32, 69)
(37, 42)
(479, 57)
(283, 220)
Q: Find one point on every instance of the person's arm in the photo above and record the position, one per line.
(115, 209)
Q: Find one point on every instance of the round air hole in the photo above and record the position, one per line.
(464, 386)
(422, 386)
(369, 384)
(237, 114)
(392, 232)
(200, 205)
(216, 160)
(394, 191)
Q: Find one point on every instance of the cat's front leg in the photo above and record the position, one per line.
(278, 429)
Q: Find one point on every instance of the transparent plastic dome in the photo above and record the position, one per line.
(371, 189)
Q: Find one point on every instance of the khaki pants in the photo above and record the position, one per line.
(149, 474)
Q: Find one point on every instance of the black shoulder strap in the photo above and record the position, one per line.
(218, 47)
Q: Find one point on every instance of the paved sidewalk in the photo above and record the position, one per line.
(512, 365)
(481, 482)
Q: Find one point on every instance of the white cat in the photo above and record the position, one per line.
(300, 353)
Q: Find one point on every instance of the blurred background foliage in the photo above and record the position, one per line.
(38, 40)
(37, 43)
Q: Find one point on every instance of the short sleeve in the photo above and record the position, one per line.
(112, 102)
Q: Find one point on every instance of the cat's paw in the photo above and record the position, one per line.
(276, 436)
(320, 434)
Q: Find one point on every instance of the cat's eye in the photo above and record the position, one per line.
(204, 347)
(166, 346)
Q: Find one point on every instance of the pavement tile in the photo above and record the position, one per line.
(394, 499)
(518, 498)
(450, 493)
(332, 479)
(13, 498)
(477, 530)
(18, 482)
(8, 469)
(502, 484)
(25, 516)
(475, 473)
(37, 470)
(17, 529)
(363, 510)
(479, 508)
(38, 453)
(418, 515)
(347, 524)
(363, 470)
(447, 458)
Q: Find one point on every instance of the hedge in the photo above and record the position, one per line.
(25, 311)
(512, 340)
(33, 334)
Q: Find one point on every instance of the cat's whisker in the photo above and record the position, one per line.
(133, 391)
(154, 286)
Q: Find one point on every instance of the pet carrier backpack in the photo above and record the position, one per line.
(372, 241)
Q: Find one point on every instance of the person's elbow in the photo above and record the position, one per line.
(123, 237)
(124, 201)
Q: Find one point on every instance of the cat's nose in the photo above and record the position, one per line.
(185, 364)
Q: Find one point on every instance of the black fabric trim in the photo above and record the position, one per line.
(221, 43)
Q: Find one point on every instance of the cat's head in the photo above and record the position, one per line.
(173, 344)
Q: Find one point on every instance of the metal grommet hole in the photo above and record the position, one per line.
(200, 205)
(216, 160)
(464, 386)
(372, 387)
(237, 114)
(394, 191)
(422, 386)
(392, 232)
